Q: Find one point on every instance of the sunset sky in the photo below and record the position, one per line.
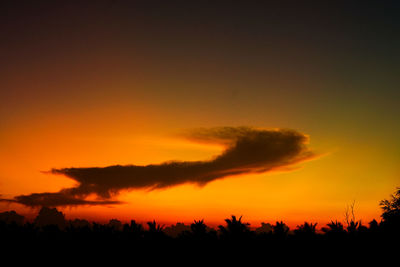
(102, 83)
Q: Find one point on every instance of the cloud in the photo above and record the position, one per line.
(248, 150)
(61, 198)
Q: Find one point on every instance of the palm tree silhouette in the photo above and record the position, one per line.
(334, 226)
(155, 231)
(306, 230)
(353, 227)
(280, 230)
(154, 227)
(235, 228)
(199, 232)
(133, 230)
(334, 230)
(198, 227)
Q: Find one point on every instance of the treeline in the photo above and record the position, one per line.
(233, 229)
(50, 227)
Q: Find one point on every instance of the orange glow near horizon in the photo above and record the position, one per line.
(293, 196)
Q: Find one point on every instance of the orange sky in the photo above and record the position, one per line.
(89, 85)
(309, 192)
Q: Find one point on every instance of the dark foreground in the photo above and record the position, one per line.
(232, 241)
(51, 239)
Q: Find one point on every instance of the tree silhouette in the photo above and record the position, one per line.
(235, 228)
(198, 227)
(391, 207)
(11, 217)
(306, 230)
(349, 215)
(335, 229)
(280, 230)
(133, 230)
(154, 227)
(234, 235)
(391, 213)
(155, 231)
(352, 227)
(50, 217)
(373, 226)
(199, 232)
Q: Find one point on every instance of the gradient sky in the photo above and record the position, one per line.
(117, 82)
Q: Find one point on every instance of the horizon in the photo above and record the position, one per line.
(30, 218)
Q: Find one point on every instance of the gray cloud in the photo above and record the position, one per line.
(61, 198)
(248, 150)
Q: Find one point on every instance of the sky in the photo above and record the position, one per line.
(278, 110)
